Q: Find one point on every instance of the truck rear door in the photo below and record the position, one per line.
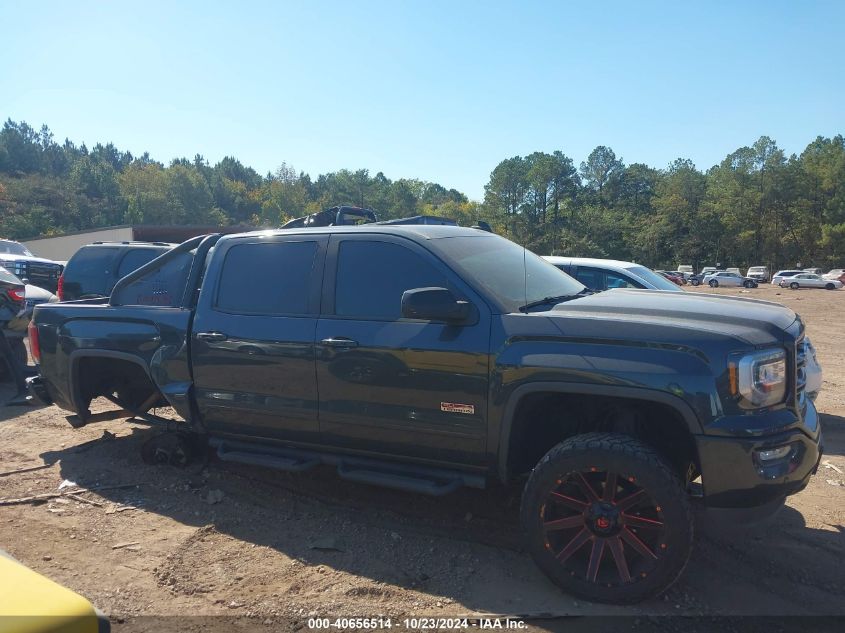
(252, 346)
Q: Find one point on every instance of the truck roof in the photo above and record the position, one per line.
(411, 231)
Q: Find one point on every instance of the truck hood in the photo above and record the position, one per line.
(750, 320)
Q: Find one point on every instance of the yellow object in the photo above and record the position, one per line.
(31, 603)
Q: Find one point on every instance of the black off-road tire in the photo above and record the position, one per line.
(713, 283)
(638, 466)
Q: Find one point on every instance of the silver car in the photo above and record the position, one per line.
(809, 280)
(726, 278)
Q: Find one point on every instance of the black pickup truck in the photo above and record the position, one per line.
(426, 358)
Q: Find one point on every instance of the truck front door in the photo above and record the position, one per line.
(393, 385)
(252, 341)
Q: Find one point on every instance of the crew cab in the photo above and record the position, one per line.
(426, 358)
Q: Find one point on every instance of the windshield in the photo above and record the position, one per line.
(652, 278)
(511, 274)
(13, 248)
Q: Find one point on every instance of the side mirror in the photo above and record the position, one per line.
(434, 304)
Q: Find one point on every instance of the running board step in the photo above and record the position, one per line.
(267, 459)
(368, 475)
(416, 478)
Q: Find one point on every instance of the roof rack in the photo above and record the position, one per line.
(133, 242)
(358, 216)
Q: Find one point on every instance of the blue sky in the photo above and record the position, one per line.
(435, 90)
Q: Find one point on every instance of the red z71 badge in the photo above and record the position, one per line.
(454, 407)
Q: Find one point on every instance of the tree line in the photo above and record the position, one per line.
(758, 206)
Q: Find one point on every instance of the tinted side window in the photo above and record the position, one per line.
(163, 286)
(268, 278)
(612, 280)
(89, 272)
(136, 258)
(371, 277)
(593, 279)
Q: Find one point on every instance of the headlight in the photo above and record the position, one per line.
(760, 378)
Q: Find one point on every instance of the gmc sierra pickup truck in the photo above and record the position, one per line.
(426, 358)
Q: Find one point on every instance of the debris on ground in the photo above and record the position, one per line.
(326, 544)
(831, 466)
(122, 545)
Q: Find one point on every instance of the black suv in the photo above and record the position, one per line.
(94, 269)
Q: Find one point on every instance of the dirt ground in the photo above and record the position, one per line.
(275, 548)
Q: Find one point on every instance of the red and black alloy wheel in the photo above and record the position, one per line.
(606, 518)
(595, 516)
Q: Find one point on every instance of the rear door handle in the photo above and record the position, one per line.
(211, 336)
(339, 342)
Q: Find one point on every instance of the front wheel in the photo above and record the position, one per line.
(714, 283)
(794, 285)
(748, 284)
(695, 282)
(606, 519)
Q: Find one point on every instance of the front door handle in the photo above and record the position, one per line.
(211, 336)
(339, 342)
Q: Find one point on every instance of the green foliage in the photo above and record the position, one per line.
(46, 188)
(758, 206)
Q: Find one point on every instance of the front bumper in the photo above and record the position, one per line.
(38, 390)
(734, 476)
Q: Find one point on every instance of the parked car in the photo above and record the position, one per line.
(708, 270)
(18, 260)
(606, 274)
(837, 274)
(675, 278)
(32, 603)
(813, 371)
(95, 268)
(809, 280)
(760, 274)
(686, 269)
(734, 270)
(725, 278)
(17, 302)
(783, 274)
(426, 358)
(815, 271)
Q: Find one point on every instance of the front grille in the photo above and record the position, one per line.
(801, 353)
(42, 275)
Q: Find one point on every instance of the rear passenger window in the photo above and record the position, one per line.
(268, 278)
(88, 272)
(372, 276)
(136, 258)
(162, 287)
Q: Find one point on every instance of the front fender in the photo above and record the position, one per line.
(592, 390)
